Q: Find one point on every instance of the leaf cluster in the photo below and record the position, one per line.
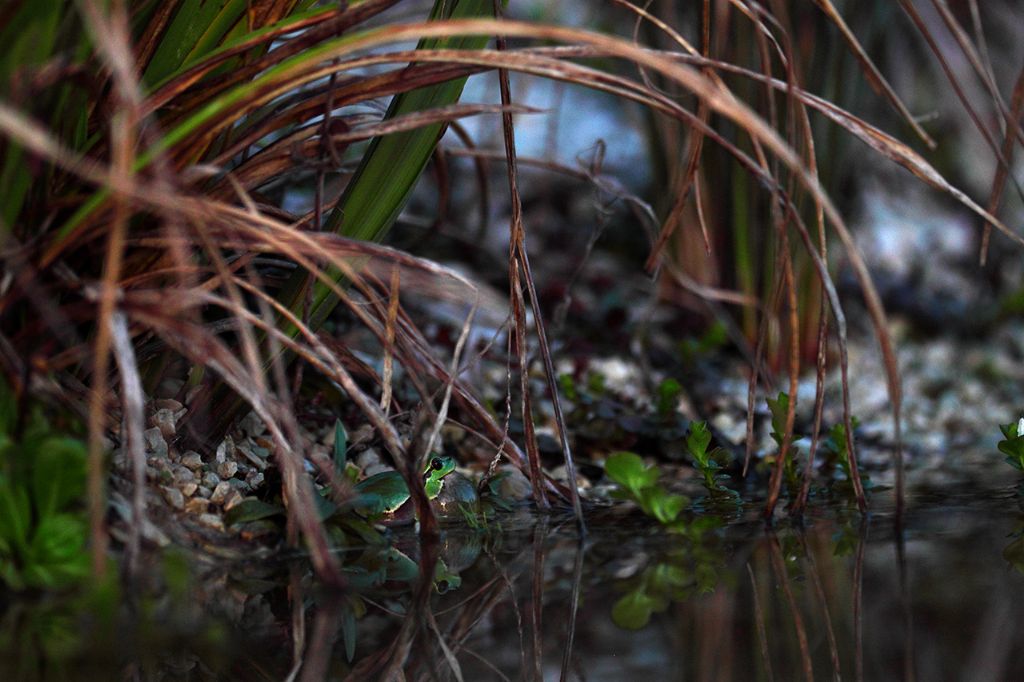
(697, 442)
(42, 526)
(639, 483)
(779, 407)
(1012, 444)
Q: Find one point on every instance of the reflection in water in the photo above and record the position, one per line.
(838, 598)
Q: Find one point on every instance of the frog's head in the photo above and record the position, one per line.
(438, 466)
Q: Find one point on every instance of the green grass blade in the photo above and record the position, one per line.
(196, 28)
(28, 37)
(392, 164)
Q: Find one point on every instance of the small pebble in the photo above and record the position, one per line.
(232, 499)
(211, 480)
(192, 460)
(197, 505)
(158, 463)
(203, 491)
(189, 489)
(183, 475)
(166, 421)
(513, 485)
(173, 497)
(155, 443)
(220, 493)
(120, 459)
(227, 469)
(211, 520)
(251, 425)
(225, 451)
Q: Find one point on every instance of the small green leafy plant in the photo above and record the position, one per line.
(836, 445)
(639, 483)
(42, 485)
(779, 407)
(1012, 444)
(697, 442)
(692, 349)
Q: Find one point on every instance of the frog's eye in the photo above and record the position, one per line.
(436, 464)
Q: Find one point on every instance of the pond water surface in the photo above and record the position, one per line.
(839, 596)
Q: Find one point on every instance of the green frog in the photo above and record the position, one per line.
(385, 494)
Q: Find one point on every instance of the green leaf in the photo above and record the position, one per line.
(779, 408)
(340, 446)
(388, 172)
(668, 397)
(29, 35)
(634, 610)
(568, 387)
(59, 539)
(662, 505)
(1013, 448)
(197, 27)
(697, 442)
(15, 516)
(628, 470)
(57, 554)
(1010, 430)
(58, 474)
(349, 631)
(251, 509)
(324, 507)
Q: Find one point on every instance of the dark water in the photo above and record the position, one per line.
(840, 597)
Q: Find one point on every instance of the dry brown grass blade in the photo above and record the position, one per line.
(975, 117)
(297, 107)
(146, 44)
(762, 631)
(787, 282)
(124, 130)
(517, 247)
(304, 145)
(779, 566)
(688, 178)
(389, 342)
(999, 182)
(801, 130)
(332, 21)
(516, 272)
(529, 430)
(875, 78)
(858, 601)
(826, 616)
(878, 140)
(133, 424)
(976, 60)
